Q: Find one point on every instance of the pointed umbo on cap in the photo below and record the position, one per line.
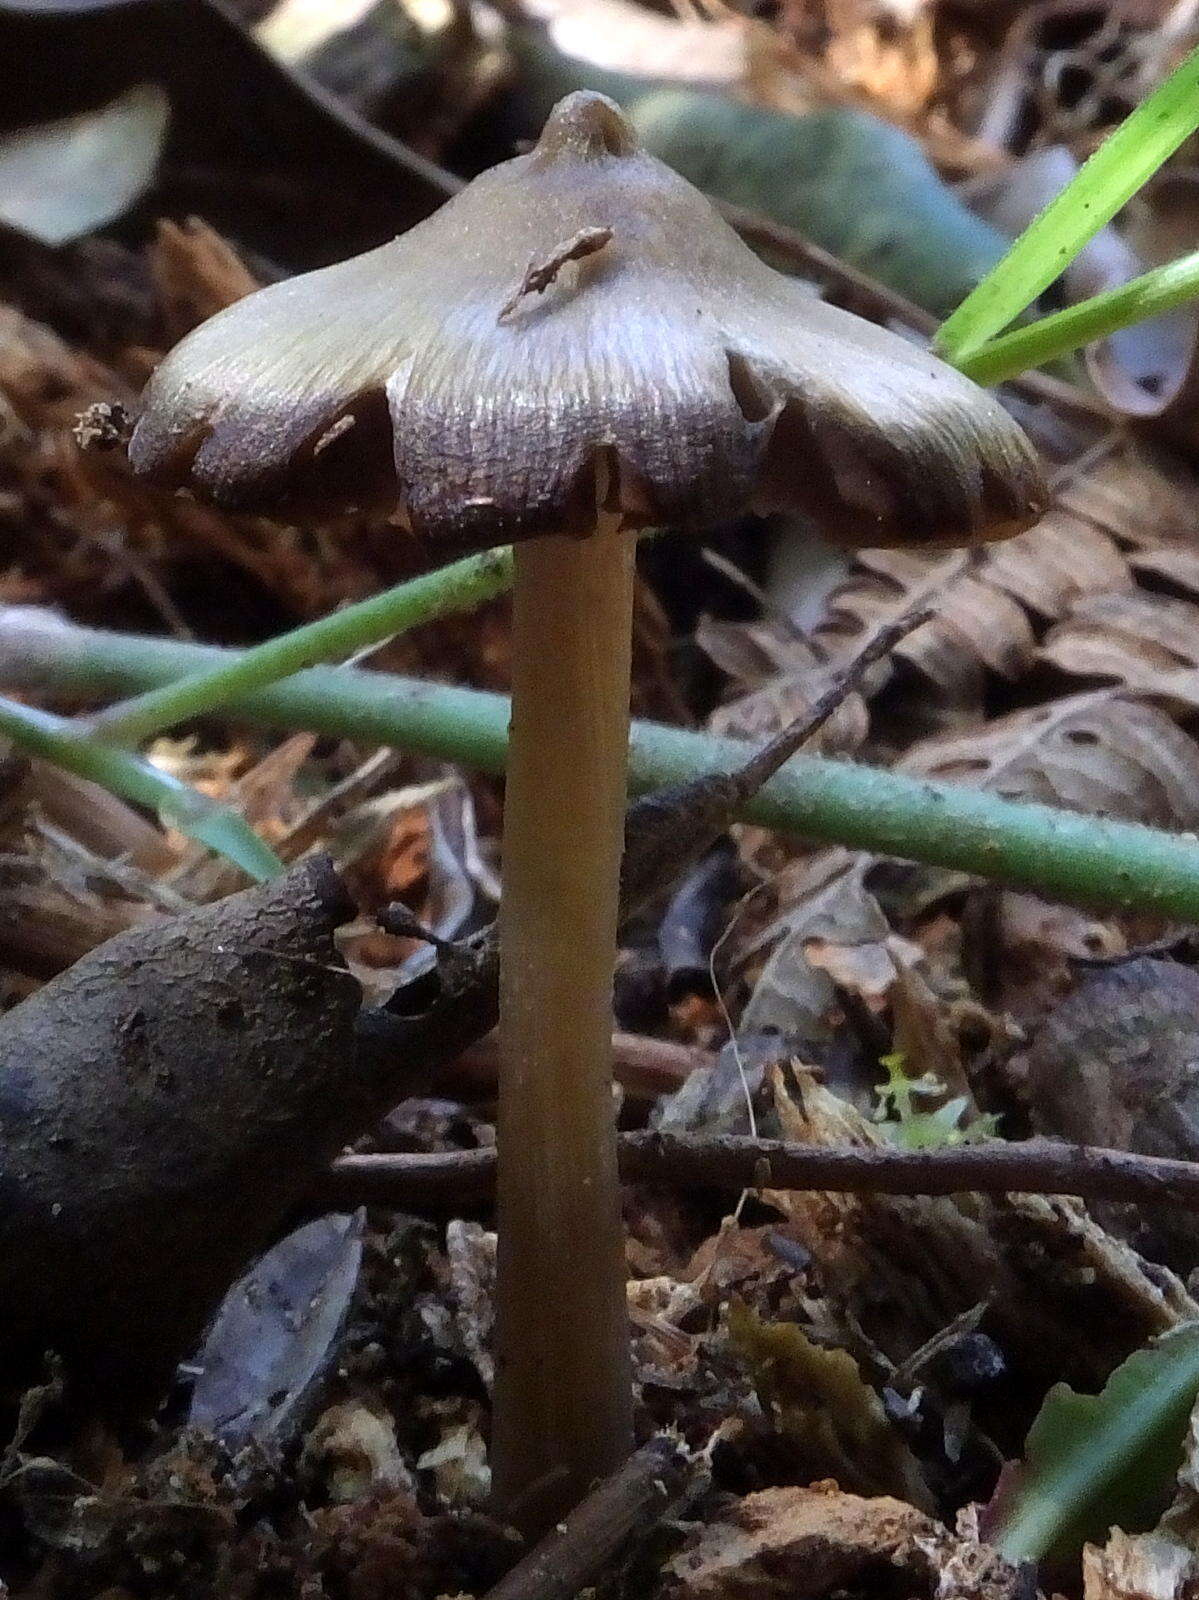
(579, 311)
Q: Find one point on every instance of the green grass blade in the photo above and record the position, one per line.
(1040, 342)
(1120, 166)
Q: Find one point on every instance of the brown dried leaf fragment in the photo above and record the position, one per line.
(1148, 643)
(1106, 753)
(195, 273)
(540, 273)
(982, 600)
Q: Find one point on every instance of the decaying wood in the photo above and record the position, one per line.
(1065, 1299)
(806, 1543)
(159, 1101)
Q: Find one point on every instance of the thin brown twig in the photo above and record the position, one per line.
(573, 1555)
(693, 1161)
(668, 829)
(766, 762)
(643, 1067)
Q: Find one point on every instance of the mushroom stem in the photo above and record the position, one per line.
(563, 1400)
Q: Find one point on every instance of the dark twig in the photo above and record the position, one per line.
(572, 1556)
(1032, 1166)
(765, 762)
(669, 829)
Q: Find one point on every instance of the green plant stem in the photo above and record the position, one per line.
(459, 587)
(1118, 168)
(1062, 854)
(56, 740)
(1045, 340)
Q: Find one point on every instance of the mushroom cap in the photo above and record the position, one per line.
(580, 314)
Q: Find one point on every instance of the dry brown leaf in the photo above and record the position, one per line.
(829, 933)
(976, 626)
(1149, 504)
(1105, 753)
(196, 273)
(1022, 952)
(1050, 566)
(1120, 510)
(924, 1035)
(783, 676)
(1148, 643)
(982, 600)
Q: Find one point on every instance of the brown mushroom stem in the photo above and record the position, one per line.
(563, 1403)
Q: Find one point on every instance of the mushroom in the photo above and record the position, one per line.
(574, 347)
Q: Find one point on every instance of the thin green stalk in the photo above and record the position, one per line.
(1120, 166)
(1040, 342)
(55, 739)
(459, 587)
(1057, 853)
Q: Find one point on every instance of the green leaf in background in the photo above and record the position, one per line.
(1093, 1462)
(852, 183)
(1120, 166)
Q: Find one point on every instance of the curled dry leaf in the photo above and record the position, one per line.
(829, 932)
(1106, 753)
(982, 600)
(1146, 643)
(783, 677)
